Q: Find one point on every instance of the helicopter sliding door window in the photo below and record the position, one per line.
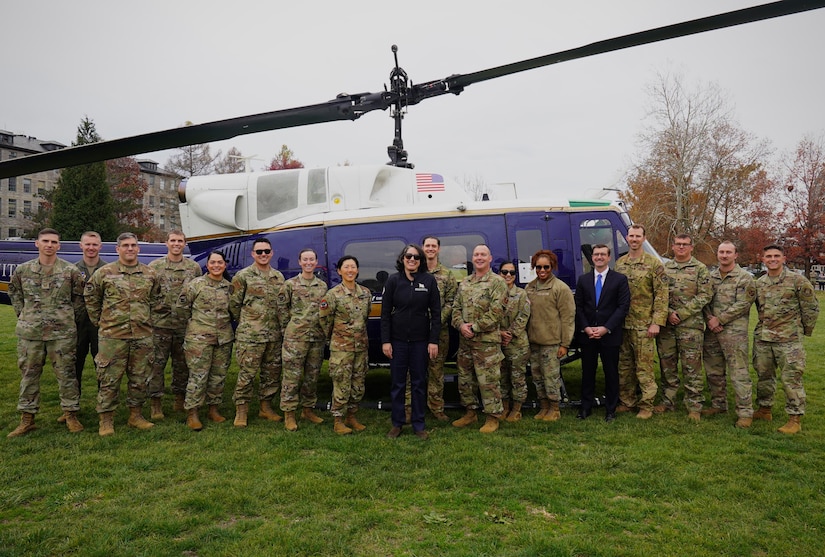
(376, 261)
(592, 232)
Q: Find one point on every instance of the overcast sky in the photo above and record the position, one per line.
(145, 66)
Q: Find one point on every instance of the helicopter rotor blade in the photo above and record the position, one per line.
(351, 107)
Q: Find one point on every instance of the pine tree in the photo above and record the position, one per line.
(82, 199)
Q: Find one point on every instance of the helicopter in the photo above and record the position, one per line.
(373, 211)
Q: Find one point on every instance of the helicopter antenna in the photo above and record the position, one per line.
(398, 88)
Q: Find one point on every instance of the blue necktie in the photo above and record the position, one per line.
(598, 288)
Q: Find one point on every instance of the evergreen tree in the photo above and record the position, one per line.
(82, 199)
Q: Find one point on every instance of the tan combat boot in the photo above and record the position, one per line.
(107, 424)
(241, 411)
(353, 422)
(490, 424)
(156, 409)
(553, 413)
(515, 413)
(215, 415)
(764, 413)
(694, 416)
(793, 426)
(744, 423)
(73, 423)
(712, 411)
(180, 400)
(137, 420)
(26, 425)
(468, 418)
(268, 413)
(193, 421)
(645, 414)
(545, 407)
(339, 426)
(309, 414)
(289, 421)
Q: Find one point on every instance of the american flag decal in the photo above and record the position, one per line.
(429, 182)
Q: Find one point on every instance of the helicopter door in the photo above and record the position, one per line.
(529, 232)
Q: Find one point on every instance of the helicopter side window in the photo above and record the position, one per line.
(277, 193)
(376, 261)
(592, 232)
(317, 186)
(457, 253)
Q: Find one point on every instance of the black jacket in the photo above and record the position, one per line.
(411, 310)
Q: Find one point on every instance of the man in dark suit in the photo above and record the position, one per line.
(602, 301)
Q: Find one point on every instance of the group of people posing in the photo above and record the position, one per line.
(133, 317)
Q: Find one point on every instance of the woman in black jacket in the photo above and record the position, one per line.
(410, 324)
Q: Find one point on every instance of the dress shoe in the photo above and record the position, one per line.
(582, 414)
(394, 433)
(609, 417)
(423, 435)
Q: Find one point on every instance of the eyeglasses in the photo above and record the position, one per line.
(543, 267)
(508, 272)
(263, 251)
(412, 256)
(677, 245)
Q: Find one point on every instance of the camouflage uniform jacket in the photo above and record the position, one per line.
(344, 317)
(86, 272)
(120, 299)
(48, 305)
(173, 276)
(552, 312)
(733, 296)
(689, 291)
(447, 286)
(648, 291)
(302, 303)
(481, 301)
(255, 304)
(205, 302)
(516, 315)
(787, 305)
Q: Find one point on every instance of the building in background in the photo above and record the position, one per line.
(161, 197)
(20, 196)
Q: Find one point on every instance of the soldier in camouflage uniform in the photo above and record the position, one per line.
(204, 303)
(86, 332)
(550, 331)
(47, 296)
(689, 291)
(788, 308)
(254, 305)
(647, 315)
(514, 345)
(726, 335)
(447, 286)
(173, 272)
(344, 312)
(477, 312)
(119, 298)
(304, 340)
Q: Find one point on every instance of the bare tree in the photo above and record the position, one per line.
(193, 160)
(232, 163)
(697, 170)
(476, 186)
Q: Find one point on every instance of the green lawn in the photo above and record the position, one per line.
(661, 487)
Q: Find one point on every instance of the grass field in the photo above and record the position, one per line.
(573, 488)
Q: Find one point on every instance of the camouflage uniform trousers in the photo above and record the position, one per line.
(728, 351)
(681, 344)
(302, 364)
(789, 359)
(479, 373)
(348, 371)
(255, 357)
(636, 359)
(168, 342)
(31, 358)
(435, 377)
(546, 370)
(134, 357)
(514, 372)
(207, 365)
